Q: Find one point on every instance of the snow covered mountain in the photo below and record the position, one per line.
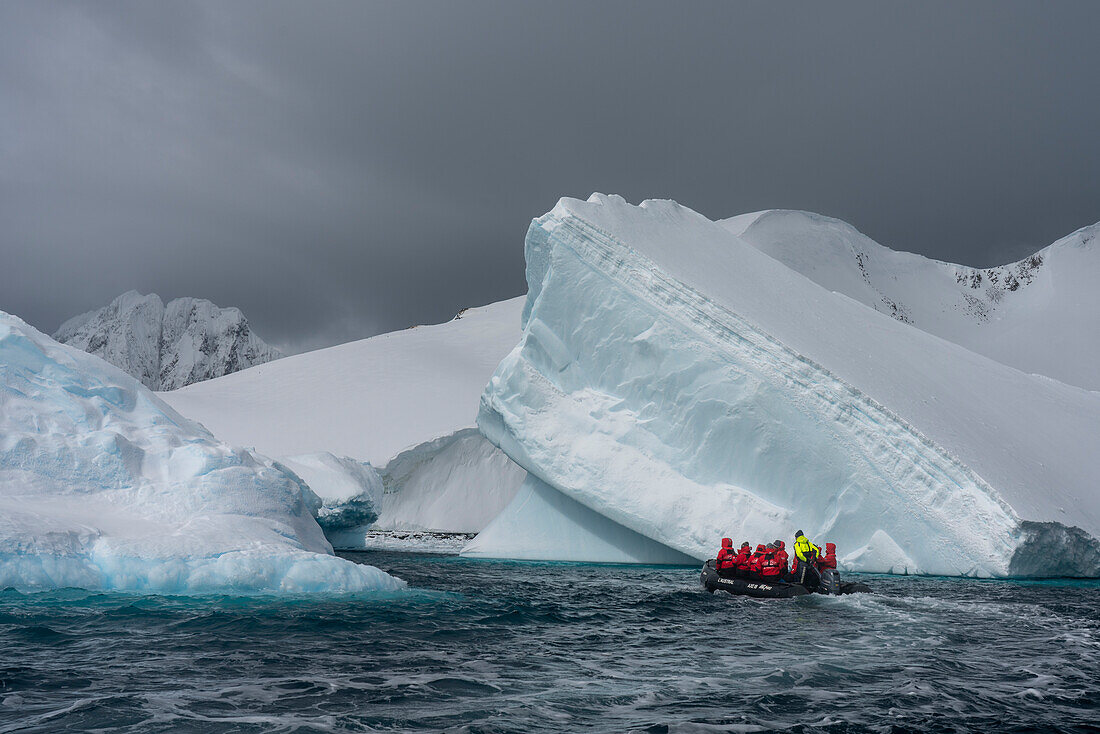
(103, 486)
(1040, 315)
(403, 405)
(674, 385)
(167, 346)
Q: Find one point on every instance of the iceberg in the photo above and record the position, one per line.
(542, 523)
(350, 491)
(404, 403)
(676, 383)
(103, 486)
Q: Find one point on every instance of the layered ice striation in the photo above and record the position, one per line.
(675, 383)
(103, 486)
(167, 346)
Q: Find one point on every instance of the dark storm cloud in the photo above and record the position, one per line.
(340, 169)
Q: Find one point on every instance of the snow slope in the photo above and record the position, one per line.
(684, 386)
(167, 347)
(406, 402)
(1040, 314)
(103, 486)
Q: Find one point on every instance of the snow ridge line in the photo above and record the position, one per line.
(641, 276)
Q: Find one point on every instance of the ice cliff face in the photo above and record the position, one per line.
(167, 347)
(103, 486)
(675, 385)
(1039, 314)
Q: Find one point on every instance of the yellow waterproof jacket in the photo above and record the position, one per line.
(804, 549)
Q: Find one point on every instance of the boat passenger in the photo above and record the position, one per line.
(743, 562)
(782, 557)
(756, 562)
(770, 569)
(724, 562)
(829, 560)
(806, 554)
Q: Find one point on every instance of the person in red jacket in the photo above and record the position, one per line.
(782, 558)
(770, 569)
(829, 559)
(741, 564)
(724, 562)
(756, 562)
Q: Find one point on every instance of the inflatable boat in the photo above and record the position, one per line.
(831, 585)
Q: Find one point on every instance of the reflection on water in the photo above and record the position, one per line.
(485, 646)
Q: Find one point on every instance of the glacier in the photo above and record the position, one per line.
(401, 407)
(674, 383)
(104, 486)
(167, 346)
(1038, 314)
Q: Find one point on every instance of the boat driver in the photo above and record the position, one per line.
(806, 553)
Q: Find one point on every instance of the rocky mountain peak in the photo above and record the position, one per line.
(167, 346)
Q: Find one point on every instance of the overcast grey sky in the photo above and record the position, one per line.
(340, 169)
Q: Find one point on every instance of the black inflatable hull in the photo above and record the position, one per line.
(767, 589)
(758, 589)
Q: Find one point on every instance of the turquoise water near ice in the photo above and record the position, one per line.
(481, 646)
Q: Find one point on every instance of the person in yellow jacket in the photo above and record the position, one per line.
(807, 554)
(804, 549)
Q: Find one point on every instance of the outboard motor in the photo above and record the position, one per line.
(830, 582)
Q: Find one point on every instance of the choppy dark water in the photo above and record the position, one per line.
(502, 647)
